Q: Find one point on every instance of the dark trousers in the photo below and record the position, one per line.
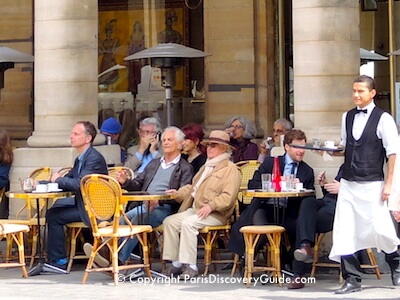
(315, 216)
(261, 213)
(350, 264)
(57, 218)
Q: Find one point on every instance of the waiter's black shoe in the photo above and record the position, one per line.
(396, 277)
(349, 286)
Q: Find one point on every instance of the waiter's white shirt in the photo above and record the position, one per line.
(386, 129)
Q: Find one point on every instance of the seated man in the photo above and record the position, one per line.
(281, 126)
(111, 128)
(315, 216)
(208, 201)
(165, 173)
(261, 211)
(140, 155)
(89, 161)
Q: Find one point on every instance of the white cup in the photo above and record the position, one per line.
(266, 181)
(41, 188)
(53, 186)
(329, 144)
(299, 186)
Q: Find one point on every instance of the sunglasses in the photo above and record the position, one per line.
(212, 145)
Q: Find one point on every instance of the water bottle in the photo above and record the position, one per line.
(276, 175)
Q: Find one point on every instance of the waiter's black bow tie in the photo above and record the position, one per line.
(361, 110)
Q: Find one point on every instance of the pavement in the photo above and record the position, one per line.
(217, 285)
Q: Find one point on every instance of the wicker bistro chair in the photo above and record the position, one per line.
(209, 235)
(102, 197)
(16, 233)
(247, 168)
(317, 263)
(64, 171)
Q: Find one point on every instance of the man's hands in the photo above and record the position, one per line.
(146, 141)
(151, 205)
(333, 187)
(54, 177)
(121, 176)
(204, 212)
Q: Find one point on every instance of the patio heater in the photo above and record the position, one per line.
(169, 57)
(8, 57)
(367, 56)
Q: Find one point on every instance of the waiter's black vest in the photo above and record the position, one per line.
(364, 158)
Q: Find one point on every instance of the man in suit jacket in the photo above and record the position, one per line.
(89, 161)
(260, 211)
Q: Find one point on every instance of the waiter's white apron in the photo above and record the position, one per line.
(362, 220)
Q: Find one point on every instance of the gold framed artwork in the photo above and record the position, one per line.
(127, 27)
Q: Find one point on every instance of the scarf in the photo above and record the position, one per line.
(209, 167)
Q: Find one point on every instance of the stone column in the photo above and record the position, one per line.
(65, 69)
(326, 46)
(65, 86)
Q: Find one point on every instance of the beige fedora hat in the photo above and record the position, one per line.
(218, 137)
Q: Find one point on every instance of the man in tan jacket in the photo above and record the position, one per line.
(208, 201)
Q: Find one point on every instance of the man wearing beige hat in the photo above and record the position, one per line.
(208, 201)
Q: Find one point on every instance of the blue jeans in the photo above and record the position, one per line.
(139, 215)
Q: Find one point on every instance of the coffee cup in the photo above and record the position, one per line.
(299, 186)
(53, 186)
(329, 144)
(41, 188)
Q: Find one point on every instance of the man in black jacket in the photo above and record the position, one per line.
(315, 216)
(261, 211)
(89, 161)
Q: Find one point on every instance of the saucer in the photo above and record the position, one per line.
(52, 191)
(56, 190)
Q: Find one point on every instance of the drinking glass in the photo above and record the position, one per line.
(266, 181)
(290, 182)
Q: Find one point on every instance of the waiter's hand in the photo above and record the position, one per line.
(386, 192)
(204, 212)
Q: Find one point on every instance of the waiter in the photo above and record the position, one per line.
(362, 219)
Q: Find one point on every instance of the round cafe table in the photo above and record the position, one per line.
(28, 197)
(276, 196)
(141, 196)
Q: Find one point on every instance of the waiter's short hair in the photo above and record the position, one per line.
(366, 79)
(294, 134)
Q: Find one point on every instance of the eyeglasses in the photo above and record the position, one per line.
(278, 130)
(212, 145)
(146, 132)
(237, 126)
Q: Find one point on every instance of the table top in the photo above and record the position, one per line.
(24, 195)
(129, 196)
(267, 194)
